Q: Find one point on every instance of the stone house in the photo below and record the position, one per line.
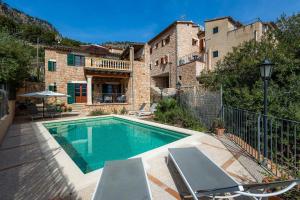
(222, 34)
(167, 50)
(97, 78)
(182, 51)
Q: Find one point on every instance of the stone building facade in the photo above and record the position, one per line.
(183, 50)
(97, 79)
(222, 34)
(177, 40)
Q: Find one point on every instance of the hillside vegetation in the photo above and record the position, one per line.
(239, 73)
(28, 28)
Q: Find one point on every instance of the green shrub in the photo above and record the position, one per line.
(123, 111)
(97, 112)
(169, 112)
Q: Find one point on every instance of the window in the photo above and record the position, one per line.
(195, 42)
(166, 59)
(167, 40)
(162, 60)
(75, 60)
(180, 78)
(163, 43)
(150, 50)
(52, 87)
(150, 66)
(215, 30)
(215, 54)
(255, 35)
(156, 45)
(51, 66)
(156, 63)
(92, 61)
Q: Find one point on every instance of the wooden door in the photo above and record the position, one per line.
(80, 93)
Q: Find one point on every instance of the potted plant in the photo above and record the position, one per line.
(219, 127)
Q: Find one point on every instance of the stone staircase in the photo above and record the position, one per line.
(78, 107)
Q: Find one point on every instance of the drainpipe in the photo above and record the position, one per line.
(131, 58)
(176, 56)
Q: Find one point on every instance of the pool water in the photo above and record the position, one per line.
(91, 142)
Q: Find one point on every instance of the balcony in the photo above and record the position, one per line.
(191, 58)
(104, 64)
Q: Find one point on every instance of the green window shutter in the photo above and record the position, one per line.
(50, 87)
(71, 93)
(50, 66)
(71, 59)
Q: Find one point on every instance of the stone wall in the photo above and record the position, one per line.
(63, 73)
(187, 73)
(7, 120)
(167, 50)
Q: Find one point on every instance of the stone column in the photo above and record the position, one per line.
(89, 90)
(131, 58)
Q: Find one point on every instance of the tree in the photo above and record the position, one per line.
(239, 74)
(15, 57)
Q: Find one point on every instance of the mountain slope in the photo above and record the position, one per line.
(21, 18)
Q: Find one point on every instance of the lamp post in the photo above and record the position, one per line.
(161, 92)
(265, 72)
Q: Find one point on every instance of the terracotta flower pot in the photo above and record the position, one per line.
(219, 131)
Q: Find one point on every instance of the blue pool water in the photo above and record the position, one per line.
(91, 142)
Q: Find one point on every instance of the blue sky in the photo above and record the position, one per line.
(98, 21)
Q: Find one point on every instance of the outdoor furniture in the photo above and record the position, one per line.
(52, 111)
(142, 113)
(121, 99)
(43, 95)
(33, 112)
(107, 99)
(204, 178)
(134, 112)
(123, 179)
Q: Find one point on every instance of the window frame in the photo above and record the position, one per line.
(215, 30)
(215, 54)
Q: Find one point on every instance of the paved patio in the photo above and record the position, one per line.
(28, 172)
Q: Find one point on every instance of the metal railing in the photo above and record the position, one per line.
(110, 98)
(110, 64)
(283, 139)
(195, 56)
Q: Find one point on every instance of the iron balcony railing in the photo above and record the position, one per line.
(110, 98)
(283, 139)
(191, 58)
(109, 64)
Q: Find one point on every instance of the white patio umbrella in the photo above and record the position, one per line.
(43, 95)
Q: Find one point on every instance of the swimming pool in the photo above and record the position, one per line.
(91, 142)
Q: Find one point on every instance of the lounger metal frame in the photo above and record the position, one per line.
(242, 188)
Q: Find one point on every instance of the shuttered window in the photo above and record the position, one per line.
(76, 60)
(71, 93)
(51, 66)
(71, 59)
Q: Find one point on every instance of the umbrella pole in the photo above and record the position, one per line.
(43, 106)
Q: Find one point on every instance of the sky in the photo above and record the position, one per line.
(97, 21)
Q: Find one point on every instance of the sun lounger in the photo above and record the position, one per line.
(123, 179)
(33, 112)
(142, 113)
(204, 178)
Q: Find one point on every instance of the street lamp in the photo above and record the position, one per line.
(178, 85)
(265, 73)
(161, 92)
